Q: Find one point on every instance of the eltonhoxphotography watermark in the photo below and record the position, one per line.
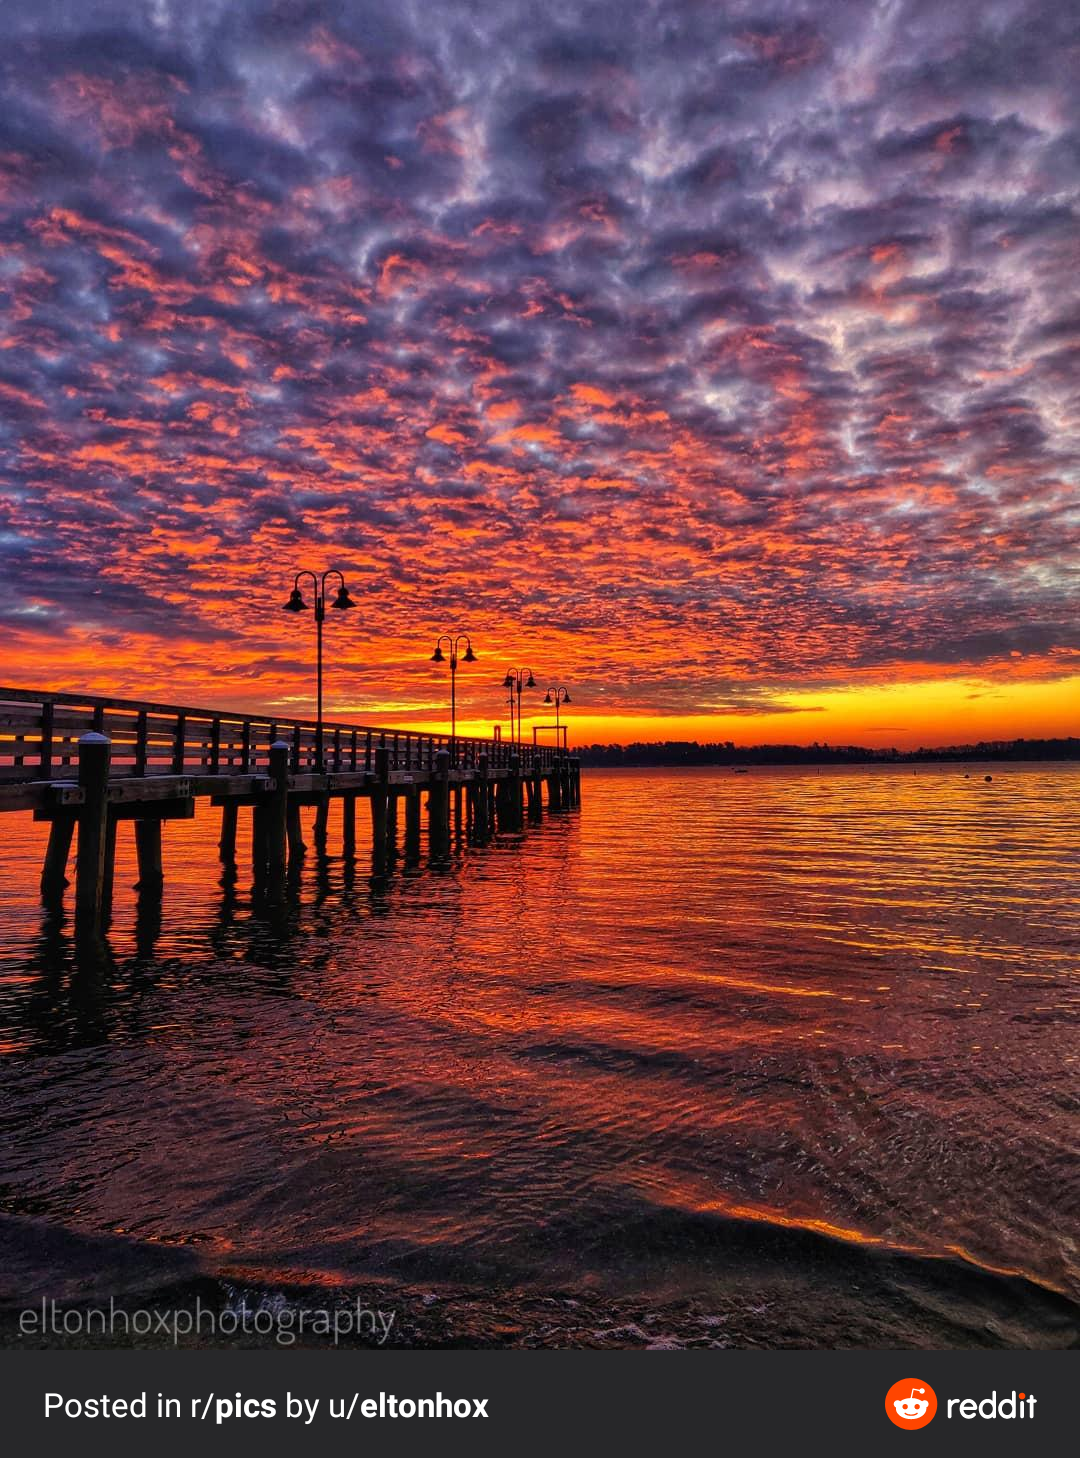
(276, 1320)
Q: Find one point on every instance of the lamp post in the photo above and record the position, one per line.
(453, 642)
(516, 679)
(557, 696)
(296, 604)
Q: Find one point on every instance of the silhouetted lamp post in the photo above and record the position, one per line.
(516, 679)
(557, 696)
(453, 642)
(296, 604)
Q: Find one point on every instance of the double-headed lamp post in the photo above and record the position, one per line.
(516, 679)
(453, 641)
(557, 696)
(296, 604)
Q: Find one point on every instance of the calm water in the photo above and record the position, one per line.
(786, 1058)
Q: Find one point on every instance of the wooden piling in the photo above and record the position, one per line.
(378, 798)
(505, 810)
(391, 825)
(348, 827)
(513, 795)
(148, 854)
(95, 753)
(260, 845)
(322, 820)
(439, 809)
(554, 781)
(378, 831)
(294, 831)
(277, 815)
(481, 802)
(536, 792)
(412, 825)
(54, 870)
(459, 798)
(227, 840)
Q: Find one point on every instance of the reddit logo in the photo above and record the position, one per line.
(911, 1403)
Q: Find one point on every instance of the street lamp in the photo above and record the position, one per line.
(516, 679)
(557, 696)
(296, 604)
(453, 642)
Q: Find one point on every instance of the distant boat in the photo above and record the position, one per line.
(739, 769)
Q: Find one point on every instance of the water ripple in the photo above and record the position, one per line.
(838, 1003)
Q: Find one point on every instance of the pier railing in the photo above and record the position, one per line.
(39, 735)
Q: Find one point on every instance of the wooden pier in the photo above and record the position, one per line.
(81, 762)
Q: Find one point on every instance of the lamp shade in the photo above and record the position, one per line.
(565, 697)
(470, 656)
(547, 697)
(438, 656)
(343, 600)
(530, 682)
(296, 603)
(508, 681)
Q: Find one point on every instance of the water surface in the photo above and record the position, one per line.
(786, 1058)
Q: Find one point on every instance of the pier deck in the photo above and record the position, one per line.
(84, 762)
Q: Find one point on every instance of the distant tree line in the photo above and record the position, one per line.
(673, 752)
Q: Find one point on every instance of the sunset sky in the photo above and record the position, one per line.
(717, 360)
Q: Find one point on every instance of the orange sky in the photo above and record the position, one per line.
(749, 421)
(404, 688)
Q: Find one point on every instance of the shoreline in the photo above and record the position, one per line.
(733, 1285)
(900, 762)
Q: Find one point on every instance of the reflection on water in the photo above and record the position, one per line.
(786, 1057)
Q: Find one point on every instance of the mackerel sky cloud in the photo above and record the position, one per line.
(702, 354)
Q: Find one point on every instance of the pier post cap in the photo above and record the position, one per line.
(515, 762)
(93, 737)
(281, 744)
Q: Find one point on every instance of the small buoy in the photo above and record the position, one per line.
(988, 778)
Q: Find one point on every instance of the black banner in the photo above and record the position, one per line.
(414, 1402)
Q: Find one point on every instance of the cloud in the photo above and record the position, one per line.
(736, 339)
